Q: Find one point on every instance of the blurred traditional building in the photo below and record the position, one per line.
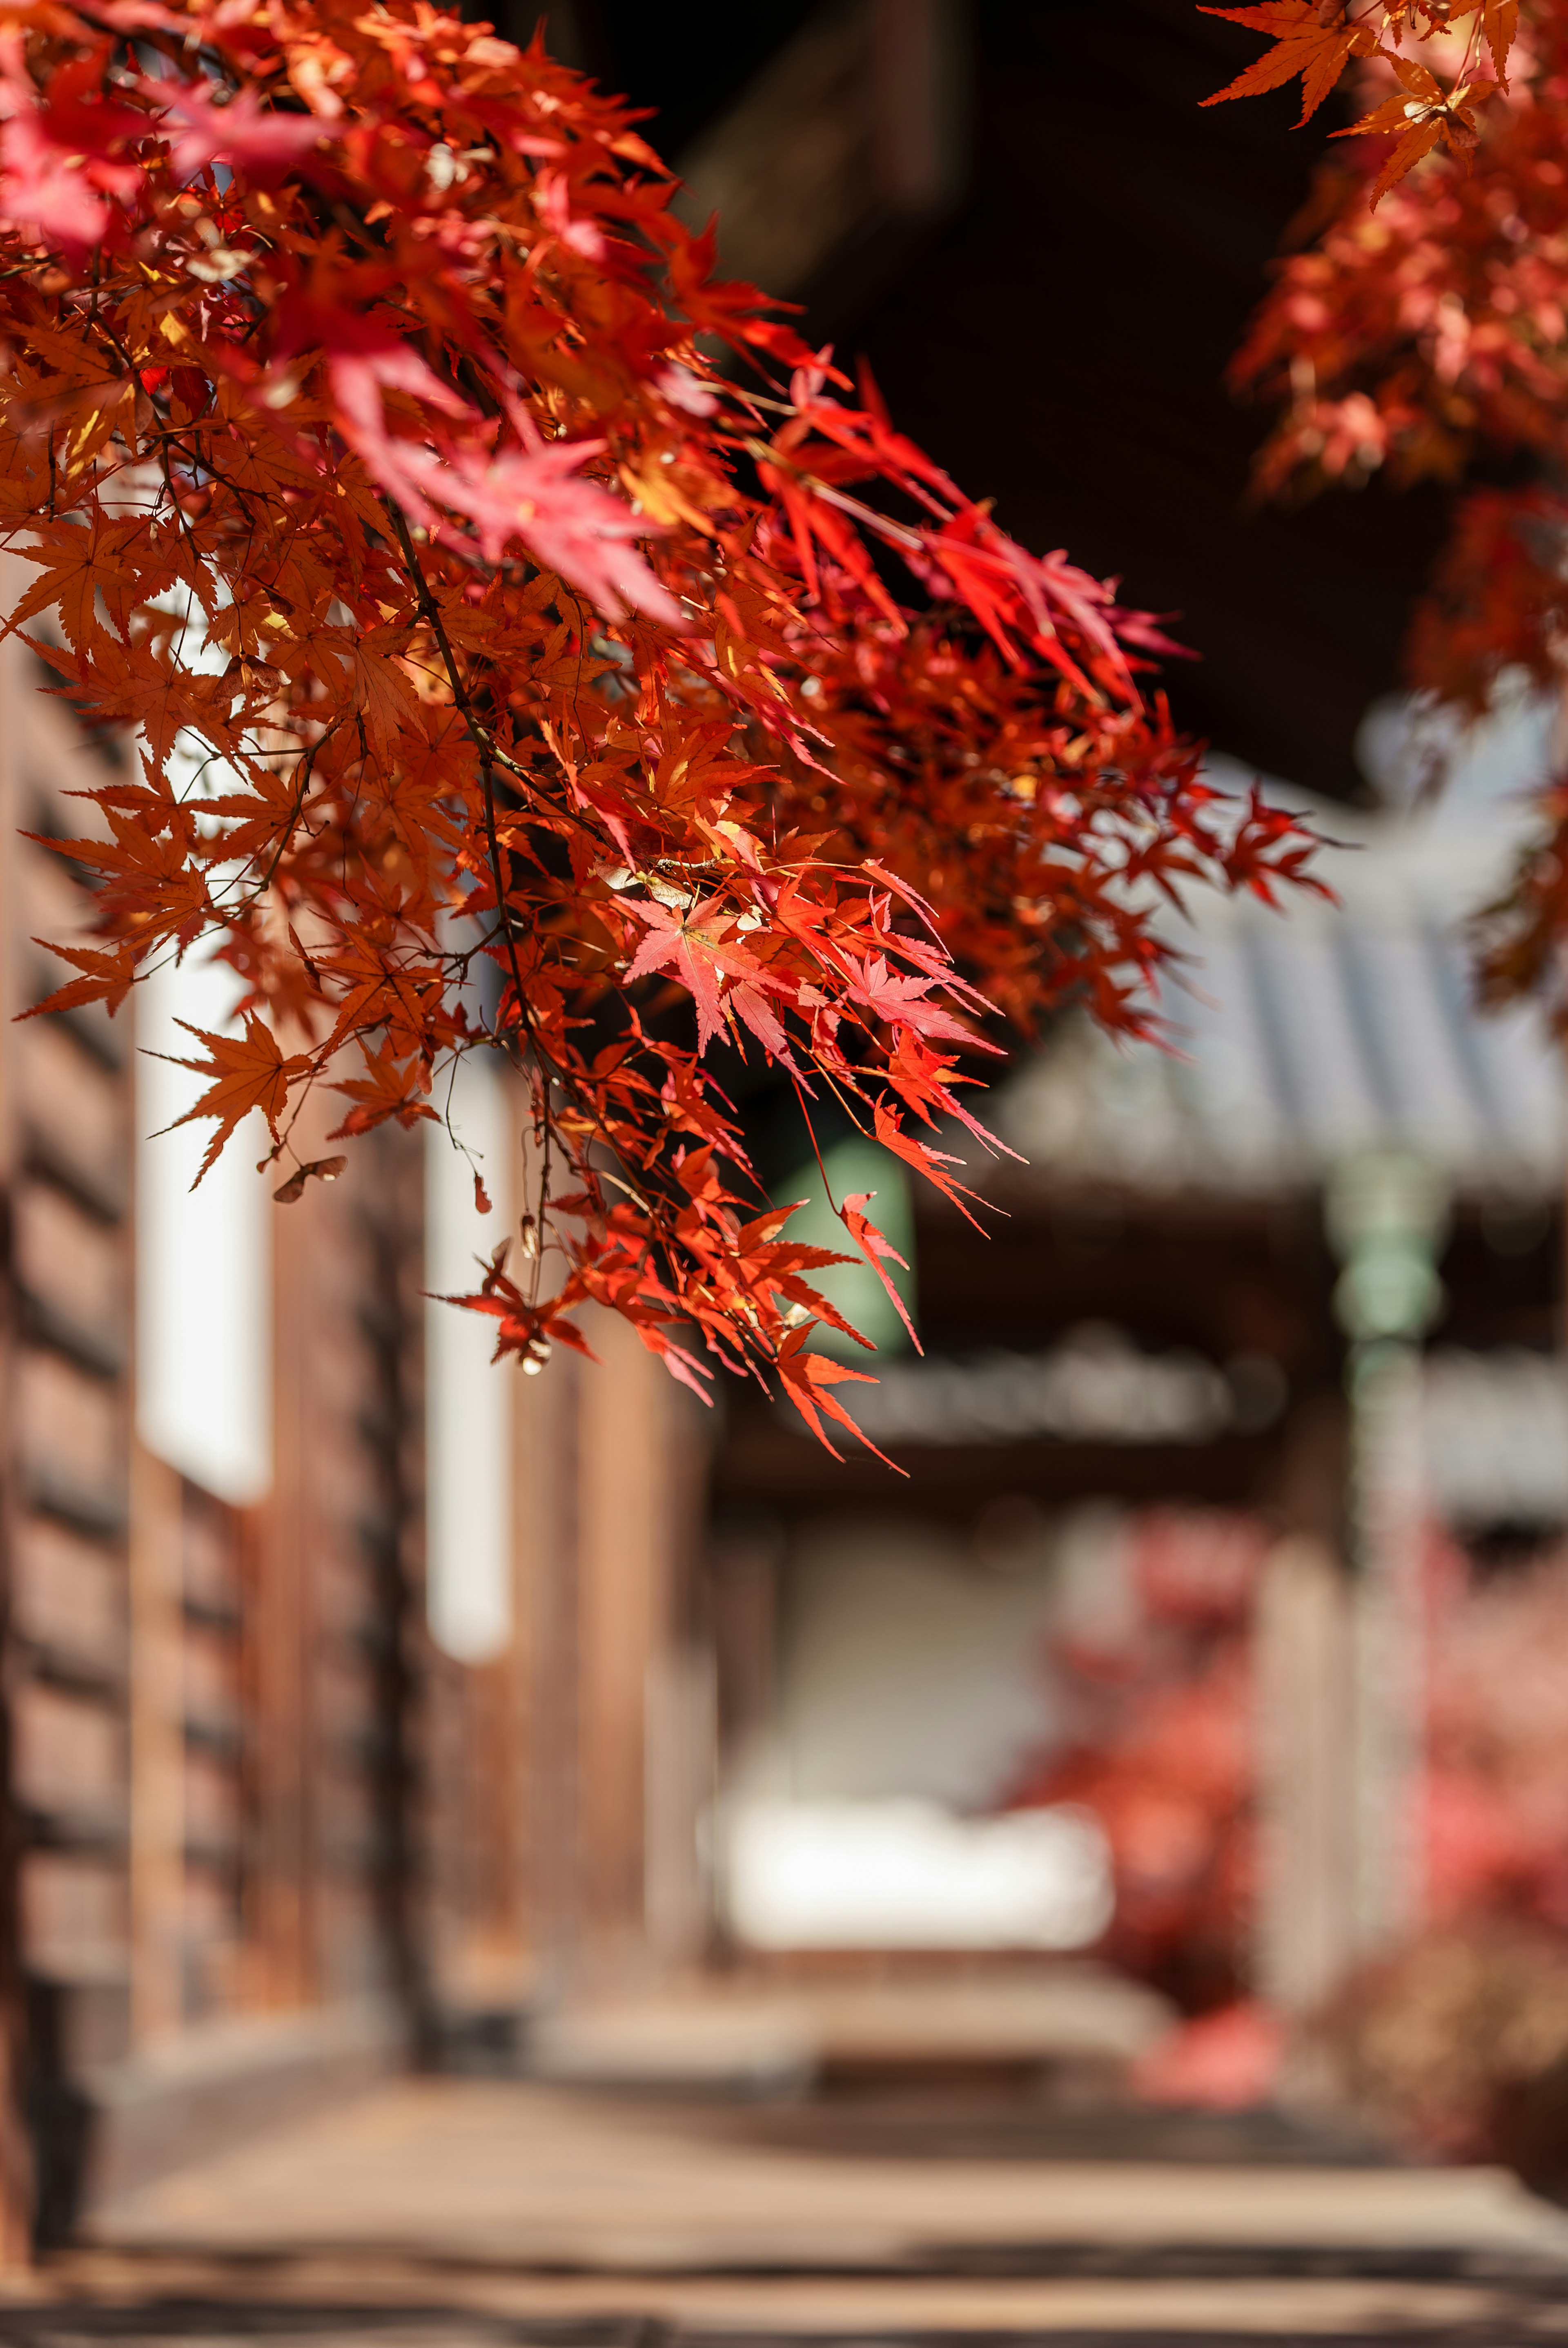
(362, 1702)
(358, 1700)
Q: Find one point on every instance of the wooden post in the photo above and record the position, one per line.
(680, 1781)
(1389, 1502)
(390, 1535)
(278, 1636)
(1387, 1213)
(547, 1616)
(1305, 1930)
(628, 1473)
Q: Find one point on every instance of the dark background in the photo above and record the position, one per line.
(1060, 339)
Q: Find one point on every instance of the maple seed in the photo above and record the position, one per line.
(326, 1169)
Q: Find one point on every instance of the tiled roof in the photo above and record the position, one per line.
(1302, 1038)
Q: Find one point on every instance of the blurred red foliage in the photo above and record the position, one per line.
(1160, 1747)
(1418, 330)
(1495, 1789)
(1160, 1750)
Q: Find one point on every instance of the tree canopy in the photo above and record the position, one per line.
(1420, 331)
(534, 644)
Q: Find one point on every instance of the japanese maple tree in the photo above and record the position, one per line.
(1421, 331)
(494, 590)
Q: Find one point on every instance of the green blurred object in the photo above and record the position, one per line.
(1388, 1214)
(855, 1166)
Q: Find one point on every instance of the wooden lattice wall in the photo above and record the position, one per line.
(238, 1785)
(67, 1155)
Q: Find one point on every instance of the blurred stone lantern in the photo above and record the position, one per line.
(1387, 1213)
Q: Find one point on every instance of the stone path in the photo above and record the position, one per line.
(491, 2214)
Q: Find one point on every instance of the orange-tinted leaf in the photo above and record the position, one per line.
(108, 978)
(807, 1378)
(1408, 149)
(878, 1253)
(1303, 44)
(1500, 22)
(389, 1089)
(248, 1072)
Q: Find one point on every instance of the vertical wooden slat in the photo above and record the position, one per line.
(157, 1756)
(215, 1741)
(389, 1530)
(18, 2199)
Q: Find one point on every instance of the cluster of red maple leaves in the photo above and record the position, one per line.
(1416, 109)
(1421, 331)
(492, 588)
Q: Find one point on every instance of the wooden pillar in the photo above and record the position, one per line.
(280, 1922)
(625, 1476)
(547, 1663)
(648, 1728)
(1305, 1689)
(680, 1783)
(920, 74)
(1387, 1214)
(1390, 1505)
(390, 1541)
(605, 1493)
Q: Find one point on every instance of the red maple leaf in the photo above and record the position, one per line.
(694, 945)
(248, 1072)
(241, 133)
(1314, 40)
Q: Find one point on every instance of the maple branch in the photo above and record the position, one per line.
(896, 534)
(287, 833)
(482, 740)
(479, 733)
(185, 529)
(502, 887)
